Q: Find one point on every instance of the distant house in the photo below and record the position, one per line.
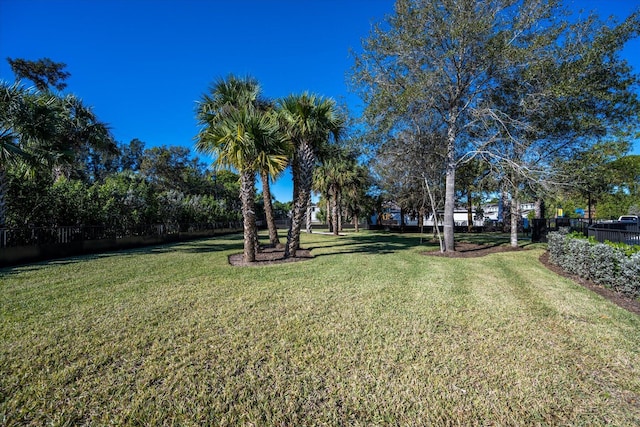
(490, 213)
(315, 209)
(391, 216)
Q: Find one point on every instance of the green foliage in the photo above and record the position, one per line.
(44, 73)
(126, 201)
(614, 265)
(628, 250)
(544, 86)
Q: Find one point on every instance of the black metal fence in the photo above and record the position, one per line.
(22, 245)
(33, 236)
(616, 232)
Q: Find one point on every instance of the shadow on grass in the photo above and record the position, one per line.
(360, 243)
(373, 244)
(494, 239)
(383, 243)
(207, 244)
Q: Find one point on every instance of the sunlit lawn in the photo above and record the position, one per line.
(369, 332)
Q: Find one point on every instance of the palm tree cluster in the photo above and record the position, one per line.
(341, 182)
(41, 130)
(252, 135)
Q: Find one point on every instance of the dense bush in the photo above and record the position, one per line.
(121, 200)
(614, 266)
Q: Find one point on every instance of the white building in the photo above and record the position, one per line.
(490, 213)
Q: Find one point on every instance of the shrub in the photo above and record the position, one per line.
(629, 278)
(615, 266)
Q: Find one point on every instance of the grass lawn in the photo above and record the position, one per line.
(369, 332)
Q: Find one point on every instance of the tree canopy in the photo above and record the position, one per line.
(513, 82)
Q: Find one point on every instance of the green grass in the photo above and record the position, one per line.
(369, 332)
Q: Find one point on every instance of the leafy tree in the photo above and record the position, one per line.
(589, 173)
(131, 155)
(127, 201)
(309, 120)
(459, 62)
(227, 190)
(167, 168)
(409, 166)
(44, 73)
(626, 172)
(472, 179)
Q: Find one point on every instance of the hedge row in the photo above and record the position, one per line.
(614, 266)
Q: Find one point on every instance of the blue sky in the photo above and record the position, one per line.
(142, 64)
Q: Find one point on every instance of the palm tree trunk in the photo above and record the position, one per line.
(334, 212)
(308, 215)
(3, 196)
(329, 214)
(274, 240)
(303, 162)
(247, 195)
(339, 210)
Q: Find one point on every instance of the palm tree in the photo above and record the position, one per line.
(355, 191)
(330, 178)
(45, 131)
(270, 169)
(242, 137)
(310, 121)
(27, 121)
(78, 132)
(10, 150)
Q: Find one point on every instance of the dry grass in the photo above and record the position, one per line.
(369, 332)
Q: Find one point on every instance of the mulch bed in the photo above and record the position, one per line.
(472, 250)
(620, 300)
(270, 256)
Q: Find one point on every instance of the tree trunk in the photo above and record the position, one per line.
(450, 184)
(449, 204)
(339, 210)
(247, 195)
(539, 209)
(329, 218)
(515, 216)
(3, 196)
(469, 211)
(356, 222)
(303, 162)
(334, 212)
(274, 240)
(308, 215)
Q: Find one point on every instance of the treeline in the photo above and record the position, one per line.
(127, 188)
(60, 165)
